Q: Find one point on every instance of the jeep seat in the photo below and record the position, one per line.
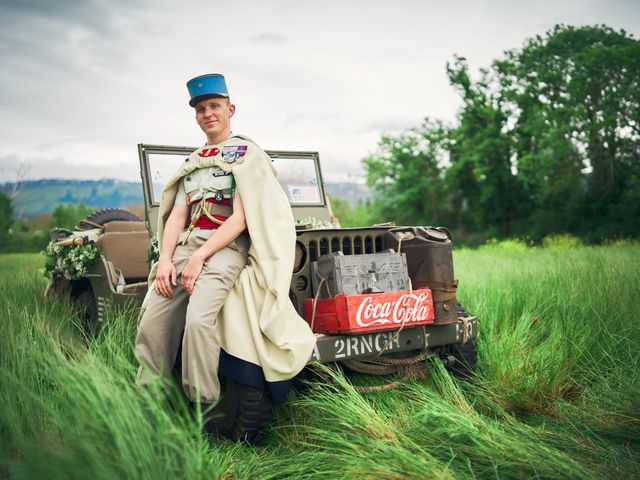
(124, 226)
(127, 251)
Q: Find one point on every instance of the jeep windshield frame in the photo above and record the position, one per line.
(299, 174)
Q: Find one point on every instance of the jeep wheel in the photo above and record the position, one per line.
(241, 414)
(465, 355)
(106, 215)
(313, 374)
(88, 312)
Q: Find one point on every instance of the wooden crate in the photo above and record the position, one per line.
(345, 314)
(353, 274)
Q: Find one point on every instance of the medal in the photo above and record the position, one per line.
(233, 154)
(219, 196)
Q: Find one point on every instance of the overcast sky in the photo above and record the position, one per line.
(83, 82)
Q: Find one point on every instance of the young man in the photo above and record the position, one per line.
(227, 241)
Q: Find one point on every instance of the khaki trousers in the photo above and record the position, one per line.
(165, 319)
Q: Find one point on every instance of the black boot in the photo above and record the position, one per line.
(206, 410)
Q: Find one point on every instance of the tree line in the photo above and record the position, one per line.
(20, 236)
(546, 141)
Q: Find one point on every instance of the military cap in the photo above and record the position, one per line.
(207, 86)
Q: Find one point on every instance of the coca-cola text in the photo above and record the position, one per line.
(409, 308)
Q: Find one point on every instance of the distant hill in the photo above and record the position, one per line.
(36, 197)
(353, 193)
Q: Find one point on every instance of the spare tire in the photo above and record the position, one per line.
(106, 215)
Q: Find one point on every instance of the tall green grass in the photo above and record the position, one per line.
(557, 393)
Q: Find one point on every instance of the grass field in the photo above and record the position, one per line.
(557, 393)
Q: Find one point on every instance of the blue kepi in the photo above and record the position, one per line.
(207, 86)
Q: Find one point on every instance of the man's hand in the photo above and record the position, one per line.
(165, 277)
(191, 273)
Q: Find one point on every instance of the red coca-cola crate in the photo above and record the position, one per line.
(370, 312)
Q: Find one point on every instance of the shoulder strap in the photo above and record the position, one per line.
(242, 137)
(233, 188)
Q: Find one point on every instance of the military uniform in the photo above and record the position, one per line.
(164, 319)
(239, 321)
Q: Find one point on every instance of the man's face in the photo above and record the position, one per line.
(214, 117)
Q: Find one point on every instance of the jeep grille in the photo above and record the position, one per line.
(314, 243)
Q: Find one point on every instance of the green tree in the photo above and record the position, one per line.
(363, 214)
(575, 108)
(6, 217)
(487, 196)
(547, 141)
(407, 174)
(68, 215)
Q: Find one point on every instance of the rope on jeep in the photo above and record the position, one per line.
(396, 334)
(394, 337)
(384, 365)
(315, 301)
(465, 329)
(377, 388)
(403, 368)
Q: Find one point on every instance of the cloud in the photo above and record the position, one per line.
(389, 125)
(13, 168)
(63, 141)
(16, 167)
(60, 8)
(268, 37)
(83, 81)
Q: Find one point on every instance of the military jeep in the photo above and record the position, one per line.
(118, 279)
